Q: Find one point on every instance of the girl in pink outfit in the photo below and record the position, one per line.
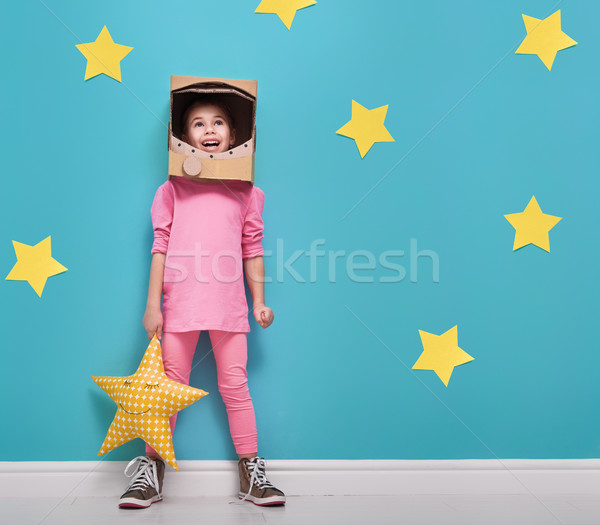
(206, 234)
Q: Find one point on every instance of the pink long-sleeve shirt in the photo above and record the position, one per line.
(206, 230)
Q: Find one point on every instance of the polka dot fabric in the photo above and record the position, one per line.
(146, 400)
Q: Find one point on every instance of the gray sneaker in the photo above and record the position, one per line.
(146, 483)
(254, 485)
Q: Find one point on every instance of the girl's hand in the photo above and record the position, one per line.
(263, 314)
(153, 322)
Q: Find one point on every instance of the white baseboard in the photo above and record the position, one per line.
(314, 477)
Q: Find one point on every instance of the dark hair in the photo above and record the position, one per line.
(206, 100)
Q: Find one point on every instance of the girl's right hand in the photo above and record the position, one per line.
(153, 322)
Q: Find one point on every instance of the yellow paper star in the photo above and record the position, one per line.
(366, 127)
(441, 354)
(103, 56)
(146, 400)
(35, 264)
(544, 38)
(284, 9)
(532, 226)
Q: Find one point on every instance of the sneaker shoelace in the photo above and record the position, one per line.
(256, 465)
(144, 474)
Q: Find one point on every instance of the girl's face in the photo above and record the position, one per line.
(208, 129)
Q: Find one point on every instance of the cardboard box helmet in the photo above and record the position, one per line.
(239, 97)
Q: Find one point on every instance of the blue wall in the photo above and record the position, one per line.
(331, 378)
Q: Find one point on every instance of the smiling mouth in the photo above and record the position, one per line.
(134, 413)
(210, 145)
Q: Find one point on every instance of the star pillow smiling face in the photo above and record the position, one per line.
(138, 396)
(208, 128)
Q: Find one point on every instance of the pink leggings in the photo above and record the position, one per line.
(230, 351)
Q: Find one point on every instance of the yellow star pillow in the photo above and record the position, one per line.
(146, 400)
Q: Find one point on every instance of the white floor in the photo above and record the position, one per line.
(314, 510)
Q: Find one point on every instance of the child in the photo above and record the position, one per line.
(202, 232)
